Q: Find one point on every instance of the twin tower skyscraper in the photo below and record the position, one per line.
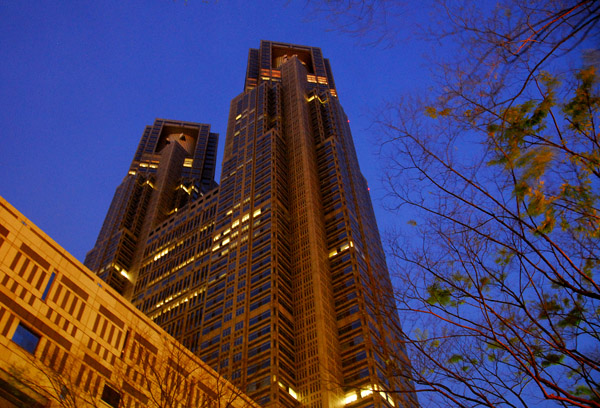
(276, 276)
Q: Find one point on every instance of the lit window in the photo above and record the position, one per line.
(350, 398)
(26, 339)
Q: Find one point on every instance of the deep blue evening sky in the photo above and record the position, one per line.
(79, 80)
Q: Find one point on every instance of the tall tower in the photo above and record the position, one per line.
(173, 164)
(277, 278)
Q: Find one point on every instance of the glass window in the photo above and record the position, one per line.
(26, 338)
(111, 396)
(48, 285)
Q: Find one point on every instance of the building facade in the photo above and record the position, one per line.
(173, 164)
(277, 277)
(69, 340)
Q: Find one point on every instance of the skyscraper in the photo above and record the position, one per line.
(276, 277)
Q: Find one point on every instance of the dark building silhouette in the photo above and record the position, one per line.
(277, 277)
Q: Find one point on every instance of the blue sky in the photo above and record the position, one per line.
(79, 80)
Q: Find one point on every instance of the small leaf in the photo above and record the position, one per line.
(455, 359)
(431, 112)
(552, 359)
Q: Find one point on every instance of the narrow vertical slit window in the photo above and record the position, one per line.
(48, 285)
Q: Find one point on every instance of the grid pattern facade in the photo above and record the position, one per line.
(277, 278)
(66, 339)
(173, 165)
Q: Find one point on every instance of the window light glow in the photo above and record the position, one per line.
(188, 162)
(323, 101)
(365, 393)
(161, 254)
(350, 398)
(238, 117)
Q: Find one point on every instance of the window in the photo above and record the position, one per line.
(48, 285)
(26, 339)
(111, 396)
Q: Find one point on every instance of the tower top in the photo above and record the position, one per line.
(264, 64)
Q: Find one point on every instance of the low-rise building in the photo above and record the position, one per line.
(69, 340)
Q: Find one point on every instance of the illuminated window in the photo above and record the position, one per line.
(26, 338)
(350, 398)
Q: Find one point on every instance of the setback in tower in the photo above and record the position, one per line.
(276, 277)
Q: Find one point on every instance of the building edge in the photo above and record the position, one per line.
(66, 335)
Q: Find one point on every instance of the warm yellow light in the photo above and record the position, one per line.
(238, 117)
(365, 393)
(161, 254)
(350, 398)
